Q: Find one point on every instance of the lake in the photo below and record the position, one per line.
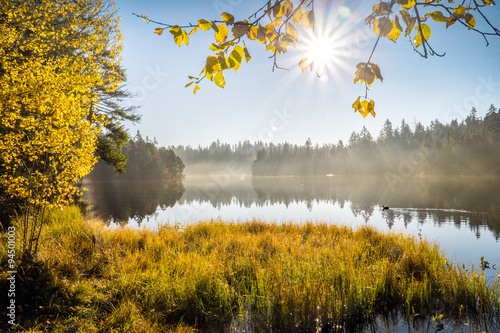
(461, 214)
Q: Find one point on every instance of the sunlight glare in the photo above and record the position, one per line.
(320, 52)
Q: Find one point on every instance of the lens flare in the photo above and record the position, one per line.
(320, 52)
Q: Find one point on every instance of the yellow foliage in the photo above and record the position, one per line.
(54, 55)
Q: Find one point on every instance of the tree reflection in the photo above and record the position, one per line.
(121, 201)
(464, 202)
(459, 200)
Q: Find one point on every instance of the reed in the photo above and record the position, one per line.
(249, 275)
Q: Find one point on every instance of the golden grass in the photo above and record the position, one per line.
(212, 275)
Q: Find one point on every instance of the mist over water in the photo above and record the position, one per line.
(461, 214)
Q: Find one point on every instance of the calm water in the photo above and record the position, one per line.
(461, 214)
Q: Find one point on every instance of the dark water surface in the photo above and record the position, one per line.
(461, 214)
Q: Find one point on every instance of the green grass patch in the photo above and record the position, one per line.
(215, 274)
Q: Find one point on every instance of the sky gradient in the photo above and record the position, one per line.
(259, 104)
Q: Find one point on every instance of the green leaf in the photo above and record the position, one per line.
(219, 79)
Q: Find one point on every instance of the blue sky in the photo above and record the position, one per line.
(257, 104)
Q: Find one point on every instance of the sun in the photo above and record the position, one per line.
(320, 52)
(330, 48)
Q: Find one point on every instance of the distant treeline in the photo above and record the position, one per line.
(220, 157)
(469, 147)
(145, 161)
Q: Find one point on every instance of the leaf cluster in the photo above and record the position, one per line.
(56, 58)
(280, 31)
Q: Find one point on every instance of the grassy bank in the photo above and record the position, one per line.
(291, 278)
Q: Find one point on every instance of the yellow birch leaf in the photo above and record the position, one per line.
(194, 30)
(261, 34)
(410, 26)
(376, 71)
(459, 10)
(185, 37)
(406, 16)
(297, 17)
(307, 20)
(204, 25)
(395, 31)
(277, 9)
(382, 26)
(228, 18)
(304, 63)
(290, 29)
(438, 16)
(408, 3)
(469, 19)
(247, 54)
(221, 34)
(219, 79)
(426, 32)
(364, 107)
(239, 29)
(252, 32)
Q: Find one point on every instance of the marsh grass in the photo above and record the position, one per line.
(249, 275)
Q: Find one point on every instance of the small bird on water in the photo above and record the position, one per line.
(385, 207)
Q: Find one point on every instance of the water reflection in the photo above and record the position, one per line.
(121, 201)
(461, 201)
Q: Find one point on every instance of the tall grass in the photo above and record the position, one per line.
(215, 274)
